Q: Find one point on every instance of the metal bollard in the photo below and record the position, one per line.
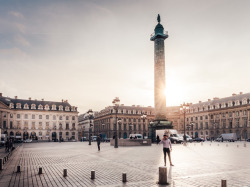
(124, 177)
(40, 171)
(92, 174)
(184, 143)
(65, 174)
(223, 183)
(237, 146)
(18, 170)
(245, 145)
(218, 144)
(162, 175)
(201, 143)
(226, 145)
(1, 163)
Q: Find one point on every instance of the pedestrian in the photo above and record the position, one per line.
(7, 145)
(167, 148)
(98, 140)
(158, 139)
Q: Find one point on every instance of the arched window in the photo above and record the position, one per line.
(11, 105)
(53, 107)
(18, 105)
(46, 107)
(66, 108)
(60, 107)
(33, 106)
(26, 106)
(40, 107)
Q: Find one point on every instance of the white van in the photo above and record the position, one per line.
(138, 136)
(3, 139)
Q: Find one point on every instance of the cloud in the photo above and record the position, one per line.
(16, 14)
(21, 40)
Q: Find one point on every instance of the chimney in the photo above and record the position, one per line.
(241, 93)
(215, 98)
(16, 97)
(122, 104)
(42, 99)
(200, 101)
(29, 98)
(233, 94)
(1, 95)
(209, 100)
(62, 100)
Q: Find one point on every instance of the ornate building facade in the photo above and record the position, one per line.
(129, 121)
(226, 115)
(41, 120)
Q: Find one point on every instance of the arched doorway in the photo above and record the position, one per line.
(53, 136)
(33, 136)
(124, 135)
(238, 134)
(18, 135)
(25, 135)
(12, 134)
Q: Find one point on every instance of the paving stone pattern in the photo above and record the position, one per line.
(195, 165)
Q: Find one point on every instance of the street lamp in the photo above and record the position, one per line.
(90, 116)
(144, 116)
(184, 107)
(116, 103)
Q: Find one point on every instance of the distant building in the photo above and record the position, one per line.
(217, 116)
(130, 121)
(84, 124)
(33, 119)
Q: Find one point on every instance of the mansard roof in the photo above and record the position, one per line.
(233, 98)
(7, 101)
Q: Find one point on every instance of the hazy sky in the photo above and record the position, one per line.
(92, 51)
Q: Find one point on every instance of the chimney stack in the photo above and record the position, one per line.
(29, 98)
(209, 100)
(200, 101)
(241, 93)
(62, 100)
(233, 94)
(42, 99)
(16, 97)
(1, 95)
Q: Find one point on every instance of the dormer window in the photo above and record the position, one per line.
(237, 103)
(53, 107)
(46, 107)
(26, 106)
(60, 107)
(244, 101)
(33, 106)
(66, 108)
(18, 105)
(40, 107)
(11, 105)
(73, 108)
(217, 105)
(230, 103)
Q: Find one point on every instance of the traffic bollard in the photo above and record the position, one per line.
(18, 169)
(162, 175)
(92, 174)
(124, 177)
(40, 171)
(223, 183)
(1, 163)
(65, 174)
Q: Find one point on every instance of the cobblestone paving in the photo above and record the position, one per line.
(195, 165)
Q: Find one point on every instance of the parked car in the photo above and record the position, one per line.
(188, 138)
(84, 139)
(198, 140)
(248, 140)
(27, 141)
(176, 138)
(137, 136)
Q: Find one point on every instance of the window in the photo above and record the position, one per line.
(67, 126)
(33, 116)
(47, 125)
(124, 126)
(73, 126)
(206, 125)
(67, 117)
(40, 117)
(18, 116)
(73, 117)
(25, 116)
(4, 124)
(60, 107)
(18, 105)
(134, 127)
(40, 125)
(11, 125)
(11, 115)
(33, 106)
(40, 133)
(53, 107)
(46, 107)
(26, 106)
(33, 125)
(230, 114)
(201, 118)
(40, 107)
(54, 117)
(11, 105)
(66, 108)
(47, 116)
(237, 113)
(60, 117)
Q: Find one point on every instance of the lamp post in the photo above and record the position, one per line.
(90, 116)
(116, 103)
(144, 116)
(184, 107)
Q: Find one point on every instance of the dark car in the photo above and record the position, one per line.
(248, 140)
(198, 140)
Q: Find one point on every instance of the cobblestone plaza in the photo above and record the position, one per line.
(194, 165)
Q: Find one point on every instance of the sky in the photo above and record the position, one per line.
(90, 52)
